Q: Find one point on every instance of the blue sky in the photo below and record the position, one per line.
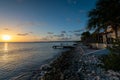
(40, 20)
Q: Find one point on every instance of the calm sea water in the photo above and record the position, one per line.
(17, 58)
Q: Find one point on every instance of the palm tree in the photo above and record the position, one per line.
(96, 21)
(105, 14)
(85, 36)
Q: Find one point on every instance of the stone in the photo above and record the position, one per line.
(97, 78)
(45, 67)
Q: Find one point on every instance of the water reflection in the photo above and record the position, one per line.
(5, 57)
(5, 47)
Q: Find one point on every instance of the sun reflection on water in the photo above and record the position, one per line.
(5, 47)
(5, 55)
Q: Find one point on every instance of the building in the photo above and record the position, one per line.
(103, 39)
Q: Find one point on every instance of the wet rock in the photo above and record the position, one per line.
(97, 78)
(114, 78)
(45, 67)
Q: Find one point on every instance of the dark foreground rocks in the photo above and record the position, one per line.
(74, 64)
(63, 68)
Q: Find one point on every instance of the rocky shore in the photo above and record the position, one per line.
(79, 64)
(65, 67)
(74, 64)
(91, 70)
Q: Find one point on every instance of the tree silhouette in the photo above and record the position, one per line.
(106, 13)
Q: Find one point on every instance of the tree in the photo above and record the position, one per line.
(105, 14)
(112, 60)
(85, 36)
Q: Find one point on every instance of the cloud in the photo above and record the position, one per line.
(23, 34)
(70, 36)
(79, 21)
(68, 19)
(70, 31)
(64, 39)
(44, 39)
(77, 30)
(47, 38)
(31, 32)
(6, 29)
(29, 24)
(80, 30)
(50, 33)
(61, 35)
(63, 32)
(77, 34)
(73, 2)
(82, 11)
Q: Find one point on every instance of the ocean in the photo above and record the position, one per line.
(19, 58)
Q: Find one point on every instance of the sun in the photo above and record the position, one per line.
(6, 37)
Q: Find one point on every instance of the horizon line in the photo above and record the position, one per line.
(39, 41)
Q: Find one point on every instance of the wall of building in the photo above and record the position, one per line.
(100, 45)
(110, 40)
(119, 33)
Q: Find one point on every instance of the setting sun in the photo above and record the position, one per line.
(6, 37)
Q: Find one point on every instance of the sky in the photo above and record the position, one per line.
(44, 20)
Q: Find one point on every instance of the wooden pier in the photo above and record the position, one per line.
(61, 47)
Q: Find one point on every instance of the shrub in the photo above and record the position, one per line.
(112, 60)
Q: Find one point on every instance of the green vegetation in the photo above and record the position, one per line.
(112, 60)
(105, 14)
(85, 36)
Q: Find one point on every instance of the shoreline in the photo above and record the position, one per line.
(64, 67)
(73, 64)
(39, 71)
(82, 66)
(90, 66)
(57, 69)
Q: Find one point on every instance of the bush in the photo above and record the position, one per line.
(112, 60)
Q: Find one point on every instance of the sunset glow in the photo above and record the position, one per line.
(43, 20)
(6, 37)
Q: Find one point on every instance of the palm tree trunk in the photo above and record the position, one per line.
(116, 33)
(106, 39)
(115, 27)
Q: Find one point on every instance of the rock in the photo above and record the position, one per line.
(97, 78)
(93, 72)
(62, 76)
(118, 74)
(42, 73)
(45, 67)
(79, 70)
(114, 78)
